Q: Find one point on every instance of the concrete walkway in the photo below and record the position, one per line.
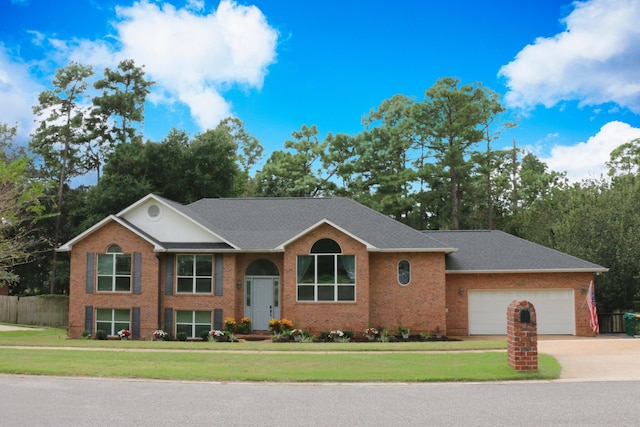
(605, 358)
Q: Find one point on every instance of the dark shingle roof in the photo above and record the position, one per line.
(497, 251)
(267, 223)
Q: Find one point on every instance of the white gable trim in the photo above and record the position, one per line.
(177, 211)
(282, 245)
(69, 245)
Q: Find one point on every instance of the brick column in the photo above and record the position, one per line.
(522, 336)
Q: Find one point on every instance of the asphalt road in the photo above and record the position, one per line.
(53, 401)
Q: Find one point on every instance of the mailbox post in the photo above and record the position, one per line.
(522, 336)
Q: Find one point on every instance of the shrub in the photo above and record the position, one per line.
(181, 336)
(86, 334)
(101, 335)
(204, 335)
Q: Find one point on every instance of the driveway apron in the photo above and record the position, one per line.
(597, 359)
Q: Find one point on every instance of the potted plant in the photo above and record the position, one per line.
(404, 332)
(159, 335)
(124, 334)
(230, 324)
(245, 325)
(337, 336)
(371, 333)
(219, 336)
(297, 334)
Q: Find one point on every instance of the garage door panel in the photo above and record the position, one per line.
(554, 308)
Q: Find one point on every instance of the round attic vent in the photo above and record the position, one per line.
(154, 212)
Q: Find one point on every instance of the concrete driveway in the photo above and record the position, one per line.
(605, 358)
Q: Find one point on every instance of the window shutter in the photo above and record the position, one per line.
(168, 280)
(135, 322)
(90, 270)
(88, 318)
(217, 319)
(137, 273)
(218, 274)
(168, 320)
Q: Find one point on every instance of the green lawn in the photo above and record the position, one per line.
(258, 361)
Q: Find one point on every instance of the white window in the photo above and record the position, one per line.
(114, 271)
(326, 274)
(195, 274)
(193, 323)
(112, 320)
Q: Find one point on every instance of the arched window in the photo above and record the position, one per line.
(326, 274)
(114, 270)
(114, 249)
(404, 272)
(262, 267)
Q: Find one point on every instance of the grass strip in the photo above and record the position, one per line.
(282, 367)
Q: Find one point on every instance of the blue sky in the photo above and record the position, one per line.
(567, 71)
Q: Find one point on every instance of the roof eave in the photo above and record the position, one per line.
(512, 271)
(418, 250)
(67, 247)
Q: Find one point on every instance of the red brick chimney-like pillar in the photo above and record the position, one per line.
(522, 336)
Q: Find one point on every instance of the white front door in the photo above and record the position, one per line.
(263, 301)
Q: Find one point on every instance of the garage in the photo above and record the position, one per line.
(554, 308)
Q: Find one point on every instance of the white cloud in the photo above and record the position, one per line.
(595, 60)
(587, 159)
(193, 56)
(18, 93)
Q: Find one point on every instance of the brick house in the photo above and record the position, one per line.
(322, 263)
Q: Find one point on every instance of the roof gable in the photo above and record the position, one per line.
(111, 218)
(168, 221)
(268, 223)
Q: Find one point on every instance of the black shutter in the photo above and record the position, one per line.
(217, 319)
(137, 273)
(135, 322)
(218, 274)
(90, 270)
(88, 318)
(168, 279)
(168, 320)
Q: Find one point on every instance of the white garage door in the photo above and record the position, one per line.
(554, 309)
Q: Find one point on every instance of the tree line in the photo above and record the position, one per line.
(428, 163)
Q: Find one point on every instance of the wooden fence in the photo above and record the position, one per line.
(42, 310)
(611, 323)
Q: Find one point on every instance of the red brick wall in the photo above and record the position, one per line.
(420, 305)
(98, 242)
(324, 316)
(458, 309)
(205, 302)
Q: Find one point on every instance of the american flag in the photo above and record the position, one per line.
(593, 314)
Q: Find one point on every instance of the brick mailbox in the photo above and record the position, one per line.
(522, 336)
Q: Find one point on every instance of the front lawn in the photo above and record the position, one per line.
(259, 361)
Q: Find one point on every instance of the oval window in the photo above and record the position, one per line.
(404, 272)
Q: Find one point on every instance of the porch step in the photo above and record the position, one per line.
(255, 336)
